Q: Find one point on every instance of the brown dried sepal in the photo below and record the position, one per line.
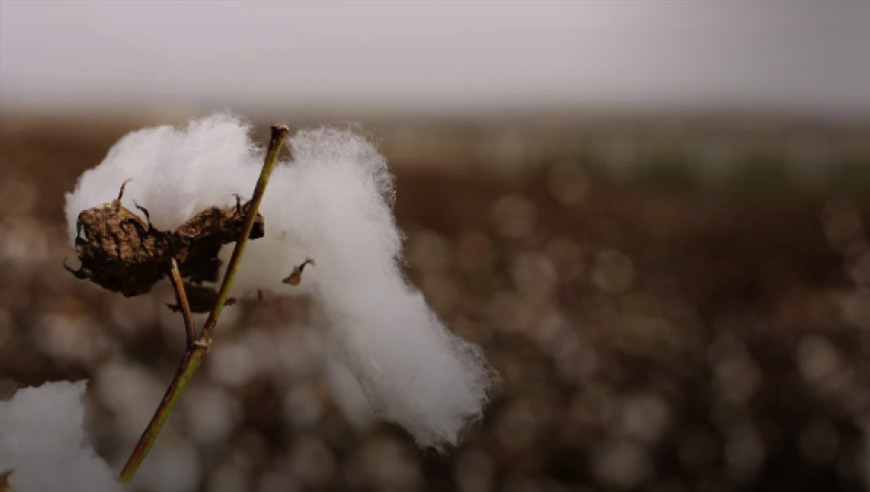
(295, 276)
(119, 251)
(198, 241)
(122, 253)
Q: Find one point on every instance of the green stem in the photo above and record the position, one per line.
(279, 133)
(189, 364)
(181, 298)
(197, 351)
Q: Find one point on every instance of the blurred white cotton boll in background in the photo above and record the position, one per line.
(43, 443)
(331, 203)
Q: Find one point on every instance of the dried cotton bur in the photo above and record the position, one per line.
(123, 253)
(332, 203)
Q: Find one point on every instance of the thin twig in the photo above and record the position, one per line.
(279, 133)
(197, 351)
(181, 298)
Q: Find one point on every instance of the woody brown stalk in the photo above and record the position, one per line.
(197, 349)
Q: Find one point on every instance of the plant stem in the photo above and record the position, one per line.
(279, 133)
(198, 349)
(181, 298)
(193, 357)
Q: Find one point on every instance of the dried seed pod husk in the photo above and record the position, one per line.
(199, 240)
(121, 252)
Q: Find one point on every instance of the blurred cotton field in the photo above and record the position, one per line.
(653, 219)
(669, 309)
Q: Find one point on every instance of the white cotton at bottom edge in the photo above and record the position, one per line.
(43, 443)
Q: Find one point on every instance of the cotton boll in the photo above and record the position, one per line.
(413, 371)
(42, 441)
(219, 159)
(174, 173)
(132, 157)
(332, 203)
(329, 196)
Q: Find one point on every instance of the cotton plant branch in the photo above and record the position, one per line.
(183, 304)
(197, 348)
(279, 134)
(393, 357)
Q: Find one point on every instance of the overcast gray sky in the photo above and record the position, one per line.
(437, 56)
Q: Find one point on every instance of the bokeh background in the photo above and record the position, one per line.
(652, 216)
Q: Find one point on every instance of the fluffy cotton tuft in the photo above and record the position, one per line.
(174, 173)
(332, 203)
(42, 442)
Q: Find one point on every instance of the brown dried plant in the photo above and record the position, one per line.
(121, 252)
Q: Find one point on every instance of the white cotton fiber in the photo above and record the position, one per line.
(173, 173)
(347, 393)
(42, 441)
(412, 370)
(332, 203)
